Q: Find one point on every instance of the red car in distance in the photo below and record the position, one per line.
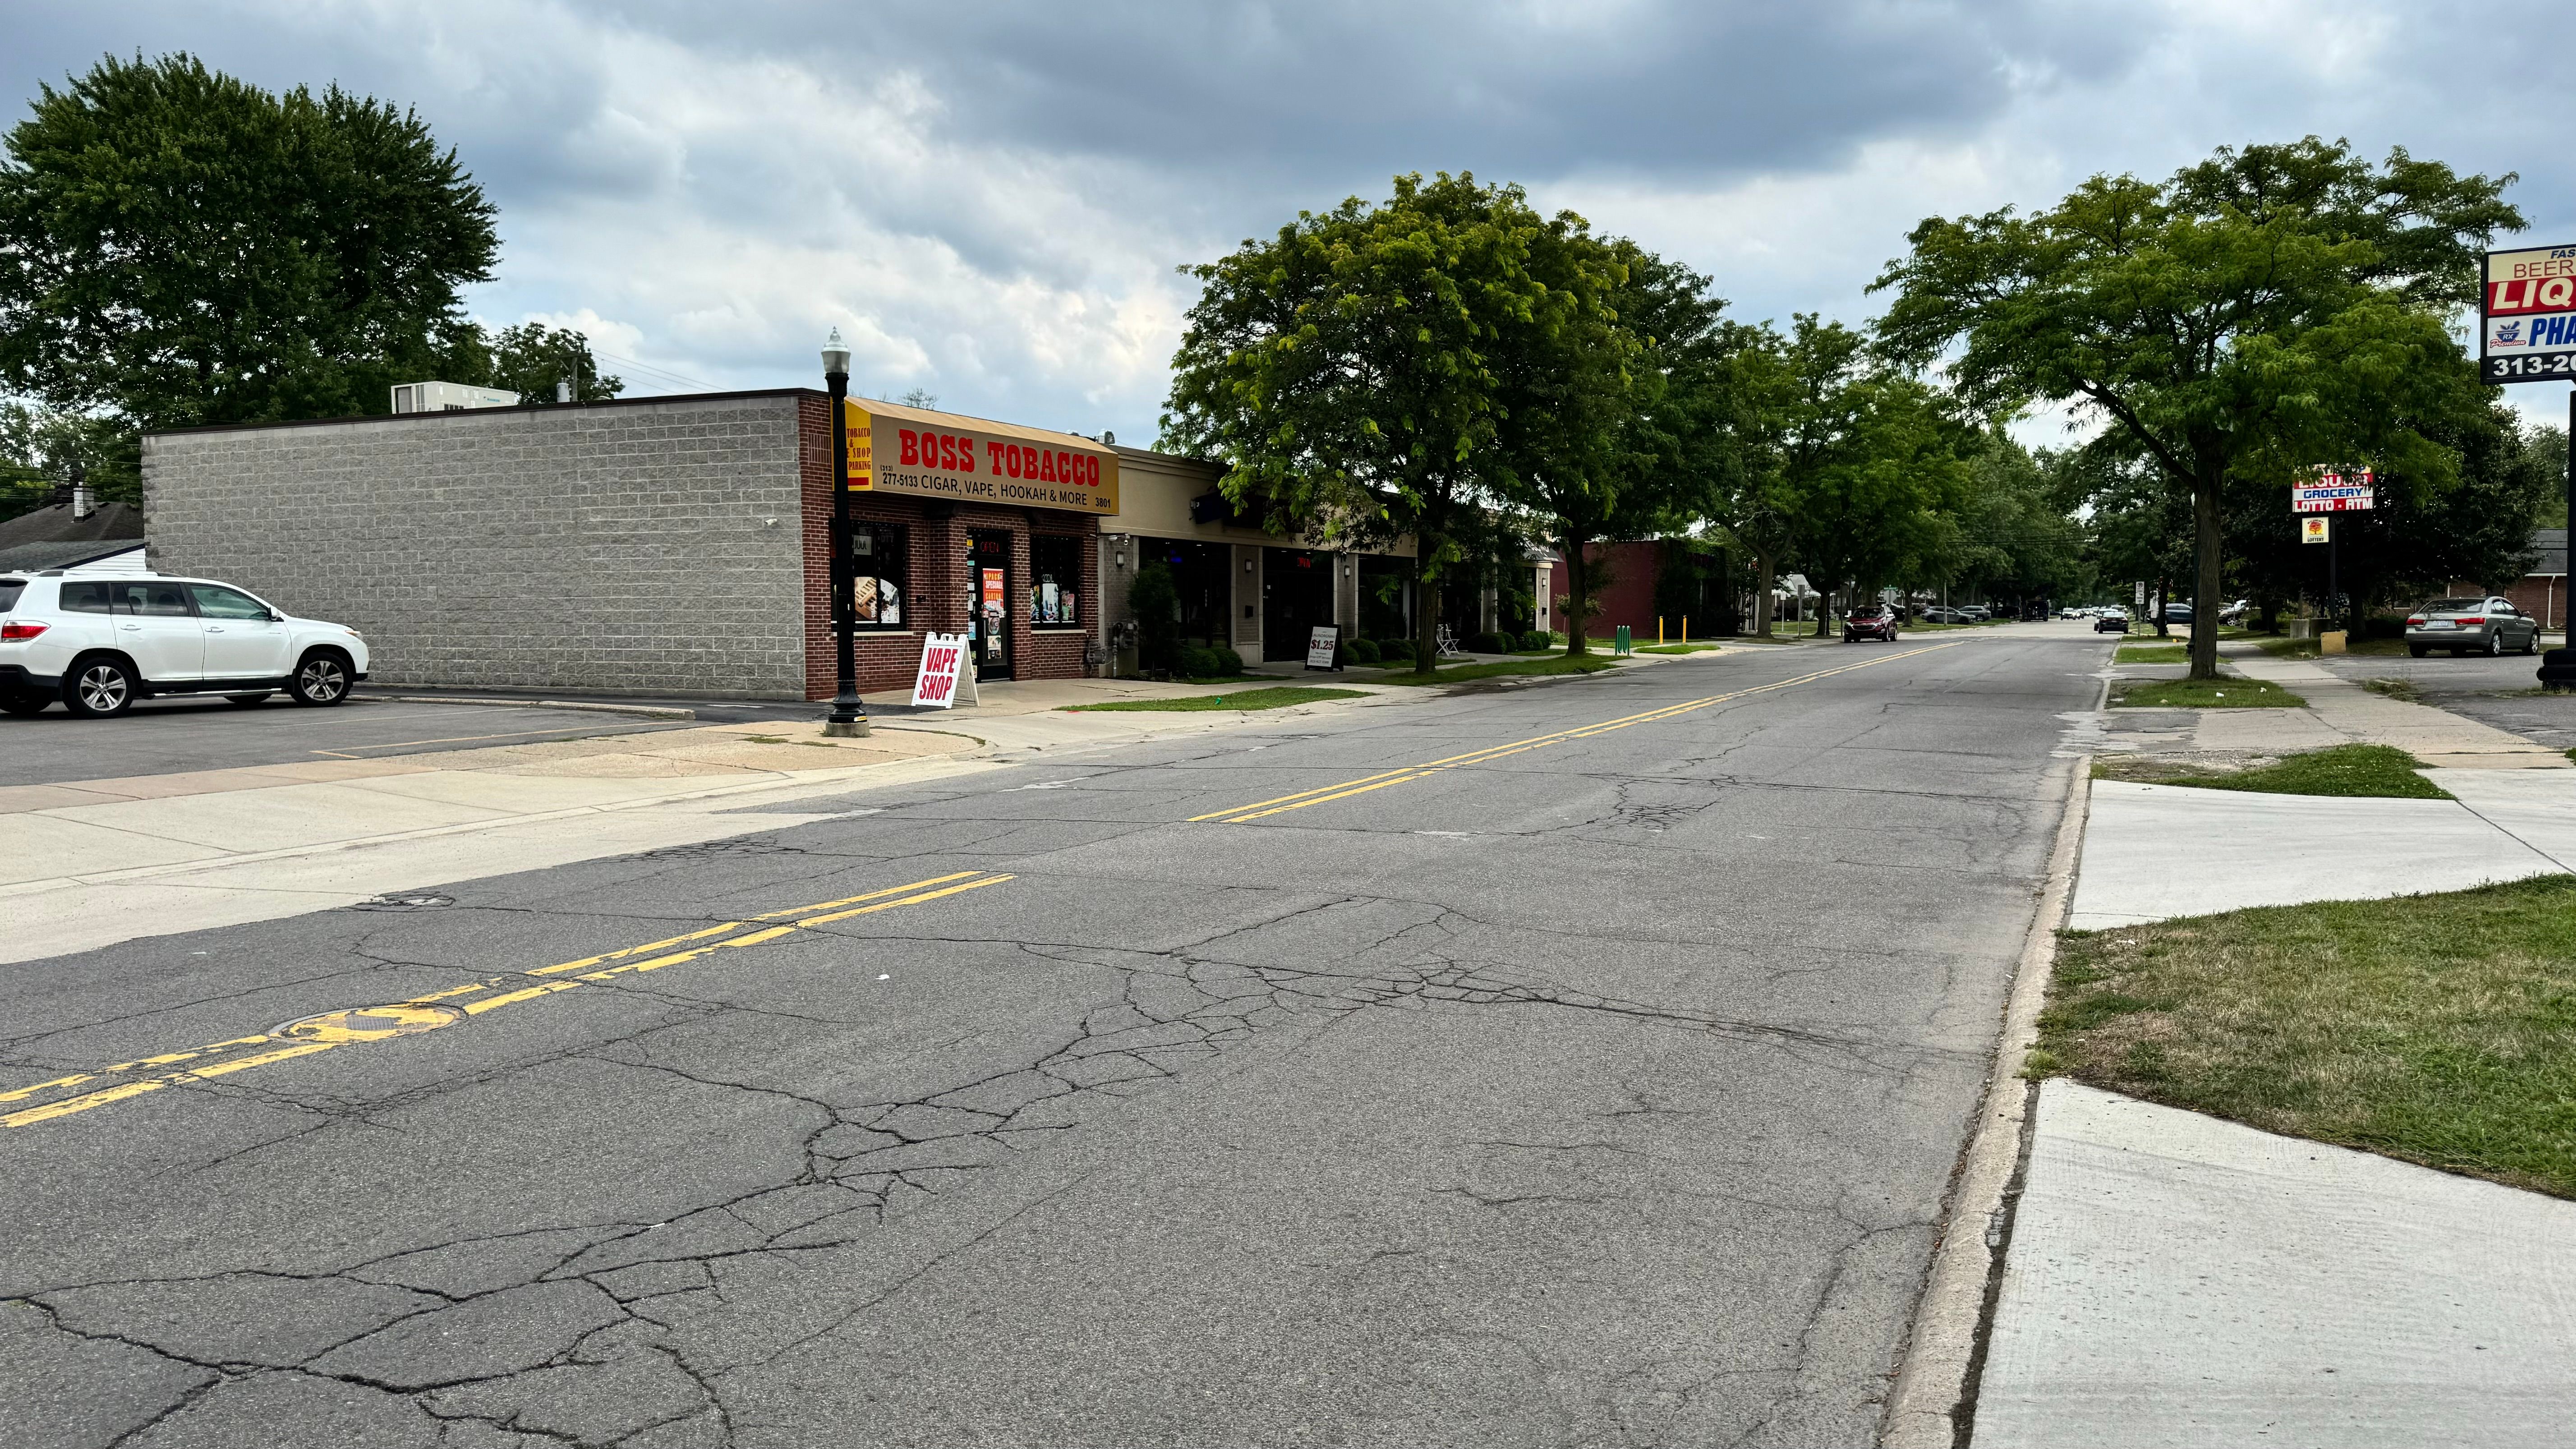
(1870, 621)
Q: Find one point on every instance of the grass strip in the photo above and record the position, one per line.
(2401, 689)
(2307, 648)
(1557, 664)
(1673, 649)
(2204, 694)
(2439, 1028)
(2154, 654)
(1275, 697)
(2374, 770)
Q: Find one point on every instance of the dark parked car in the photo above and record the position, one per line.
(2111, 622)
(2177, 613)
(1870, 621)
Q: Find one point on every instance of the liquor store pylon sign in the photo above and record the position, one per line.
(2527, 316)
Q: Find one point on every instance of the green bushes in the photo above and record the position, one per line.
(1538, 639)
(1489, 643)
(1193, 661)
(1395, 651)
(1360, 651)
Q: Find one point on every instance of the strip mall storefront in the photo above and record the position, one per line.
(964, 526)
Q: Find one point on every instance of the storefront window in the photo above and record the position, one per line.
(1055, 581)
(877, 555)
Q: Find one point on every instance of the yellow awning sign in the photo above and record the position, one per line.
(896, 449)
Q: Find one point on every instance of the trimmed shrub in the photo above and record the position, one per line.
(1195, 662)
(1395, 651)
(1228, 663)
(1360, 651)
(1489, 643)
(1537, 639)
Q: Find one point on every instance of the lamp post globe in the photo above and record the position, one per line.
(849, 718)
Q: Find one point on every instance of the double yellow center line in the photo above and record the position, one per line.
(1343, 790)
(438, 1008)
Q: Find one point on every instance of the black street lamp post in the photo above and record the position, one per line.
(848, 717)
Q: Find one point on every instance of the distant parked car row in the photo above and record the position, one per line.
(99, 644)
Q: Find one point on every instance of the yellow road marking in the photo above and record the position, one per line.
(935, 888)
(1343, 790)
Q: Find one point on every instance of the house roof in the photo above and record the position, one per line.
(2551, 545)
(55, 524)
(61, 553)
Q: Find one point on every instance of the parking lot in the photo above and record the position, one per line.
(183, 733)
(2500, 692)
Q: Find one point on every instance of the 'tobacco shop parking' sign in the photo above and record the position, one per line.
(2528, 317)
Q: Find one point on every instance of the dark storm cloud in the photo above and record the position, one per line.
(1270, 93)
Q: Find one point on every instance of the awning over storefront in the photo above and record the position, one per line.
(897, 449)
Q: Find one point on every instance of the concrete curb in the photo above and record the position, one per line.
(646, 711)
(1935, 1380)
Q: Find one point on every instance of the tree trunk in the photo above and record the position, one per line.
(2204, 604)
(1762, 594)
(1824, 613)
(2156, 603)
(1578, 584)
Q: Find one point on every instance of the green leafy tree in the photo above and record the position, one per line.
(178, 247)
(40, 447)
(529, 360)
(2265, 310)
(1344, 370)
(2422, 538)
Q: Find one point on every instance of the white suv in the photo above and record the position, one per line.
(100, 643)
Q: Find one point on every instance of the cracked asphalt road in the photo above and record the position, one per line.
(1600, 1091)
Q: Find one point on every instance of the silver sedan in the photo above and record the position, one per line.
(2488, 625)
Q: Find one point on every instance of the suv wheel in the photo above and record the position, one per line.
(323, 678)
(98, 688)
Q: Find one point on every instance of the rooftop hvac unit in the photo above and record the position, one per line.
(449, 397)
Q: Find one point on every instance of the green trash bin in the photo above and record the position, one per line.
(1621, 644)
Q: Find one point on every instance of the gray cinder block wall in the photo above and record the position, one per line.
(643, 546)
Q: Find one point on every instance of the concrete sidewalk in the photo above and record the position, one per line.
(2178, 1280)
(2174, 1279)
(2157, 851)
(2355, 715)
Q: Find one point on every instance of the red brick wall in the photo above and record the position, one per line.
(935, 599)
(2541, 597)
(1628, 599)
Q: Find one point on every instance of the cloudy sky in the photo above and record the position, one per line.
(991, 199)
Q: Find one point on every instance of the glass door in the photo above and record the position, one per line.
(988, 603)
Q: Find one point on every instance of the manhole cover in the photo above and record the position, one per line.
(369, 1023)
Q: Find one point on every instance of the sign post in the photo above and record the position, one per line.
(2329, 490)
(2527, 333)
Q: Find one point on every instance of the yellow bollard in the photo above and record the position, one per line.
(1686, 628)
(1659, 628)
